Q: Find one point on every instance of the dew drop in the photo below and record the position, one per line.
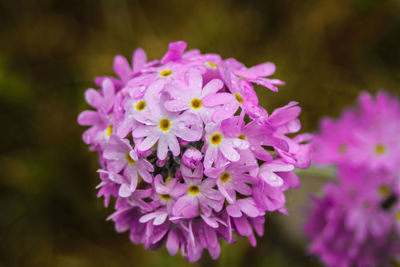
(275, 181)
(181, 125)
(237, 143)
(235, 157)
(112, 177)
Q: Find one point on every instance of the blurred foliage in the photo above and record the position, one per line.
(327, 51)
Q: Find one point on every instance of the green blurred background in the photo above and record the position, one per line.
(50, 51)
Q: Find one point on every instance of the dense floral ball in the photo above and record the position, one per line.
(187, 151)
(357, 221)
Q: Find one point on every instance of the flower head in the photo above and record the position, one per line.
(187, 151)
(356, 222)
(348, 228)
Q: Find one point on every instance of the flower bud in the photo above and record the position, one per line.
(192, 157)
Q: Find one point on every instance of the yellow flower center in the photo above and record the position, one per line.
(165, 73)
(380, 149)
(241, 136)
(384, 190)
(129, 159)
(165, 197)
(398, 215)
(141, 105)
(342, 148)
(239, 98)
(196, 103)
(215, 139)
(165, 125)
(194, 190)
(109, 130)
(225, 177)
(211, 65)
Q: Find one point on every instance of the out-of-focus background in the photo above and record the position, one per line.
(50, 51)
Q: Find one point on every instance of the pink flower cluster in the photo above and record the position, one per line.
(357, 221)
(187, 151)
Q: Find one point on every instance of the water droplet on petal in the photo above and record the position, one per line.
(181, 125)
(235, 157)
(237, 142)
(274, 180)
(147, 122)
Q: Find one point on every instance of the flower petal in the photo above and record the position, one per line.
(139, 58)
(186, 206)
(229, 152)
(212, 87)
(172, 243)
(216, 99)
(89, 117)
(148, 142)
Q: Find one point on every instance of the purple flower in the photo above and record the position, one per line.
(122, 68)
(120, 156)
(190, 96)
(257, 75)
(245, 206)
(350, 229)
(242, 94)
(355, 223)
(233, 178)
(274, 180)
(124, 71)
(257, 135)
(335, 142)
(268, 173)
(221, 147)
(164, 127)
(99, 120)
(175, 52)
(187, 152)
(107, 188)
(199, 195)
(244, 226)
(362, 136)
